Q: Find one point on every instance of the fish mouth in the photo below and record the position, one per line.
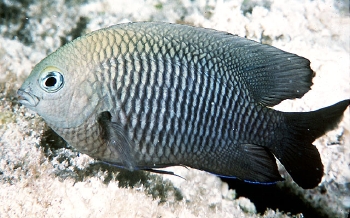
(27, 99)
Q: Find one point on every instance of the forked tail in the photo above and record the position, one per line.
(295, 149)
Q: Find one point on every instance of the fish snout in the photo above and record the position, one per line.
(27, 99)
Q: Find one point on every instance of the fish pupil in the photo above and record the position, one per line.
(50, 82)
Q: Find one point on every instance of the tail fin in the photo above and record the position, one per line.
(295, 149)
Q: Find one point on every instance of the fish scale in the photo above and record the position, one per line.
(147, 95)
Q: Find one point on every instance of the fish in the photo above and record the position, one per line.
(148, 95)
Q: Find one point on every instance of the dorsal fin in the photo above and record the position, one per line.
(273, 75)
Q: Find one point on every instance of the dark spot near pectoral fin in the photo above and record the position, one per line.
(117, 141)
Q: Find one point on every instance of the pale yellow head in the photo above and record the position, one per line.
(58, 88)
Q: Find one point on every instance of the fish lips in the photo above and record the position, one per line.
(27, 99)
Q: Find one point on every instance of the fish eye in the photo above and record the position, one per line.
(51, 81)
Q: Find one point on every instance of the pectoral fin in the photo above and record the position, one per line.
(117, 141)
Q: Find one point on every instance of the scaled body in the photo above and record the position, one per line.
(149, 95)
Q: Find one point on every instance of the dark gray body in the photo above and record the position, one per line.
(188, 101)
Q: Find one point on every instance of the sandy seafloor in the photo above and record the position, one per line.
(41, 177)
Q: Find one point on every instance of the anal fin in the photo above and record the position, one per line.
(248, 162)
(262, 164)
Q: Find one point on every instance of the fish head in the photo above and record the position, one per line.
(59, 91)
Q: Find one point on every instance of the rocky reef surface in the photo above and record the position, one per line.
(41, 176)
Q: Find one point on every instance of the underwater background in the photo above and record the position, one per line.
(41, 176)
